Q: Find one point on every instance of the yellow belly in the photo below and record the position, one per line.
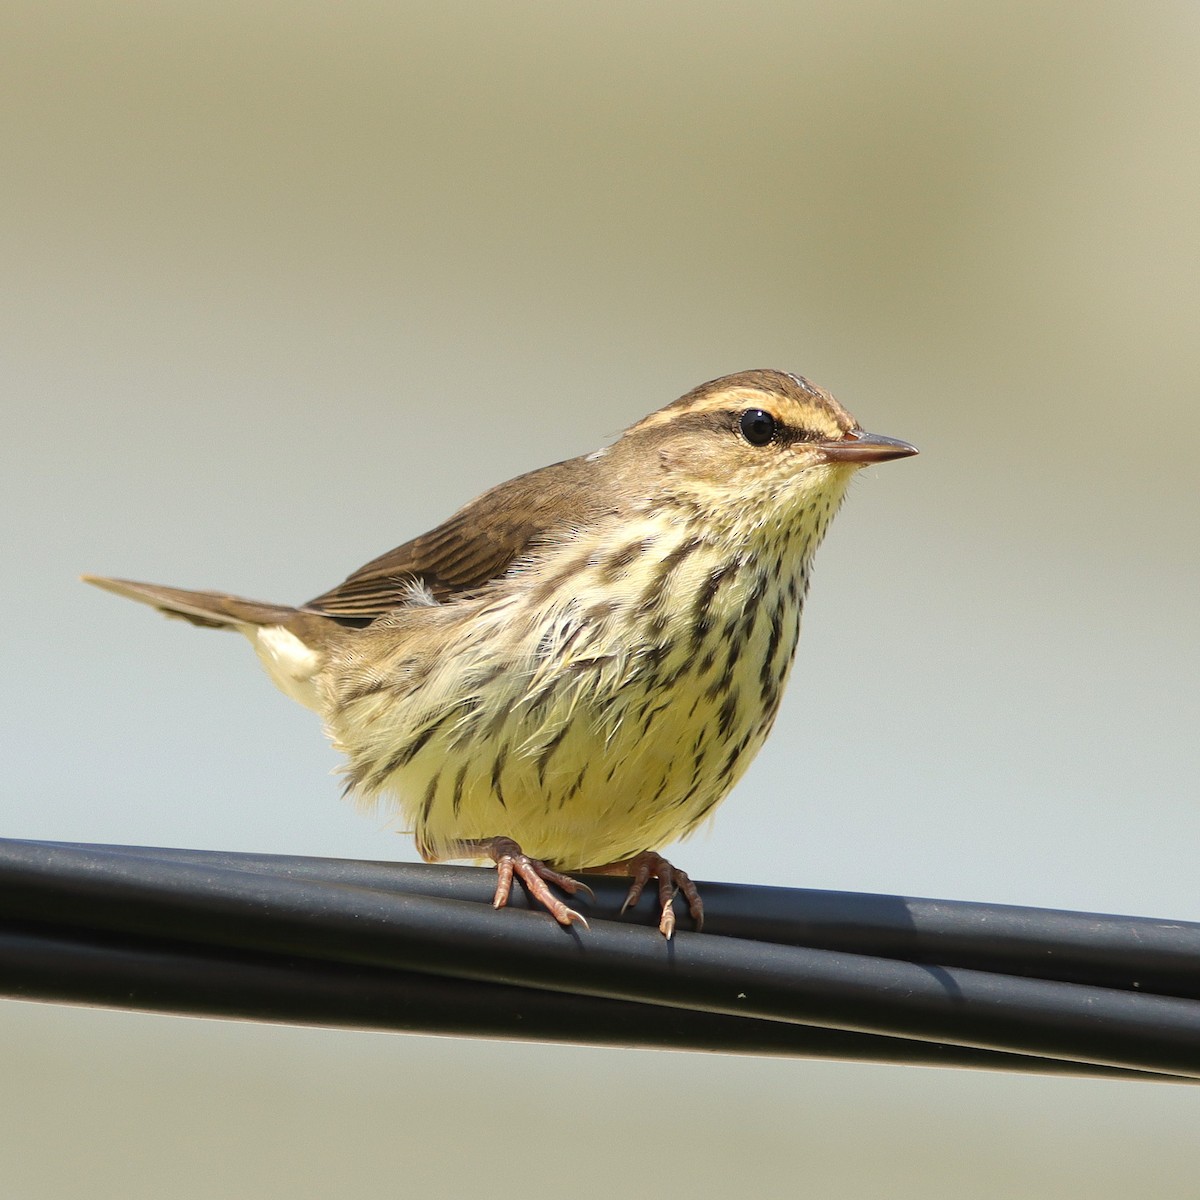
(607, 718)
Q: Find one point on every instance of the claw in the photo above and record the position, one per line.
(577, 885)
(572, 915)
(667, 925)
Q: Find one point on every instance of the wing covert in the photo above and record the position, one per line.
(472, 548)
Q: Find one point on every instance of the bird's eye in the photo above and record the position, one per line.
(758, 427)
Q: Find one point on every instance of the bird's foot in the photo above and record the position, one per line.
(512, 861)
(670, 880)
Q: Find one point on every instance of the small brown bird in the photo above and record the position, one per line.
(574, 670)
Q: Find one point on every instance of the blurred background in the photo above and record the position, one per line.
(284, 284)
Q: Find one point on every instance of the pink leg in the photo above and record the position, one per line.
(641, 867)
(511, 861)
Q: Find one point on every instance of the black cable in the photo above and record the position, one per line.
(1131, 953)
(416, 947)
(35, 965)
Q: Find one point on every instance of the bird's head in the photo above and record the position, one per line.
(759, 445)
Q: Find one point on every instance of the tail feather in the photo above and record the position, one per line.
(290, 643)
(214, 610)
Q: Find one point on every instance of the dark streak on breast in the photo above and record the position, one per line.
(498, 770)
(702, 605)
(548, 752)
(430, 793)
(458, 787)
(653, 595)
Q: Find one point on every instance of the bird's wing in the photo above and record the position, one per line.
(475, 546)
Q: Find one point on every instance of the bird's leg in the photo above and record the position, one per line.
(670, 879)
(511, 860)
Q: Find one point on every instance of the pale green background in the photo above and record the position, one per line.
(283, 284)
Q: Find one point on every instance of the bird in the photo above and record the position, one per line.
(572, 671)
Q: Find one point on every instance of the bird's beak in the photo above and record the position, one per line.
(862, 448)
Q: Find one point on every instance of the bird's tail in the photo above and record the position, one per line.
(291, 643)
(212, 609)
